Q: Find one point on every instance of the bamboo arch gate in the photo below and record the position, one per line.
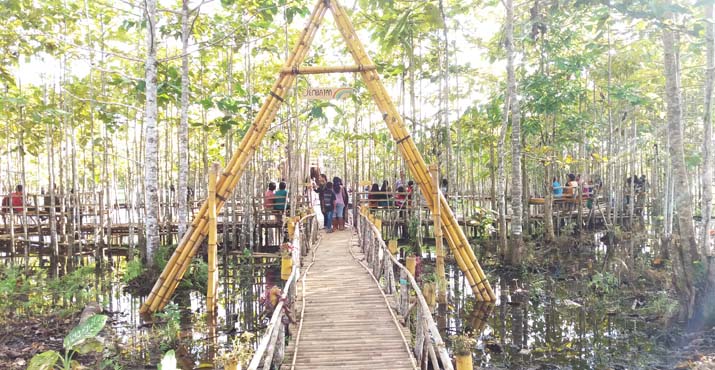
(190, 242)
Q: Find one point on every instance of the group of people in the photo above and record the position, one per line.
(379, 196)
(334, 199)
(570, 190)
(276, 200)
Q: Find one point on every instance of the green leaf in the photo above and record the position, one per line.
(88, 329)
(44, 361)
(89, 345)
(168, 362)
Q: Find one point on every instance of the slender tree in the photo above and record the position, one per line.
(184, 124)
(517, 241)
(707, 168)
(151, 166)
(685, 250)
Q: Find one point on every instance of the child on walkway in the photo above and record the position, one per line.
(340, 200)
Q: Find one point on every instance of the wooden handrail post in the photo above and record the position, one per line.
(439, 248)
(212, 286)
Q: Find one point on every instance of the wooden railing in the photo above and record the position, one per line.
(427, 344)
(271, 349)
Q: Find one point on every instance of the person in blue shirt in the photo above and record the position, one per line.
(558, 190)
(280, 198)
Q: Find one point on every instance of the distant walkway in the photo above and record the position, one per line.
(346, 324)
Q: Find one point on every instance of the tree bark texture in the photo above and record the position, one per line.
(515, 252)
(151, 167)
(683, 253)
(707, 172)
(184, 123)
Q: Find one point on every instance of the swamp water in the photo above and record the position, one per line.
(542, 321)
(182, 326)
(546, 323)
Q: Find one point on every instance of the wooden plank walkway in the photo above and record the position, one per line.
(347, 323)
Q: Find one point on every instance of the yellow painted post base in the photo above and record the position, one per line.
(231, 365)
(411, 263)
(291, 227)
(428, 291)
(392, 246)
(464, 362)
(286, 267)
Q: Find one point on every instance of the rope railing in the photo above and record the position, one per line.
(427, 344)
(271, 349)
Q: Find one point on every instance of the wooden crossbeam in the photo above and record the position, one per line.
(312, 70)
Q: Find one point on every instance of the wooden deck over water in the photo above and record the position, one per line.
(347, 323)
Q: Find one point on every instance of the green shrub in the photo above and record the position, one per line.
(134, 269)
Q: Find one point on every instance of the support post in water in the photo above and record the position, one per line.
(212, 285)
(439, 248)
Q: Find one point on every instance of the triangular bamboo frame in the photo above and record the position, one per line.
(190, 242)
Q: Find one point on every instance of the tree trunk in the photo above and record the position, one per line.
(517, 242)
(501, 180)
(184, 124)
(445, 97)
(707, 168)
(686, 248)
(54, 247)
(151, 152)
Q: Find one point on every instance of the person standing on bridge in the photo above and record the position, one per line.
(327, 200)
(341, 200)
(320, 188)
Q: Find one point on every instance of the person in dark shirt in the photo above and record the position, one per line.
(328, 202)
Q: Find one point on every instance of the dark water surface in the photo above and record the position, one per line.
(546, 323)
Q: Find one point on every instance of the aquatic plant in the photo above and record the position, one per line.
(81, 339)
(168, 333)
(168, 362)
(134, 269)
(239, 354)
(414, 246)
(604, 283)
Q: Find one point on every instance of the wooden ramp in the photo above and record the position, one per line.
(346, 323)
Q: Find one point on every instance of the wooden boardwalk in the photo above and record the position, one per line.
(346, 323)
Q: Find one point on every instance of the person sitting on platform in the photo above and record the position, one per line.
(384, 189)
(557, 188)
(268, 196)
(17, 199)
(373, 197)
(571, 186)
(400, 198)
(280, 198)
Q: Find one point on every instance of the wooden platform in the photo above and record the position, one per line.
(347, 323)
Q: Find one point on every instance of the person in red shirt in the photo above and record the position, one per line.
(16, 199)
(13, 201)
(268, 197)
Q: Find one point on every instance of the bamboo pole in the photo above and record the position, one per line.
(439, 248)
(190, 242)
(213, 271)
(455, 236)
